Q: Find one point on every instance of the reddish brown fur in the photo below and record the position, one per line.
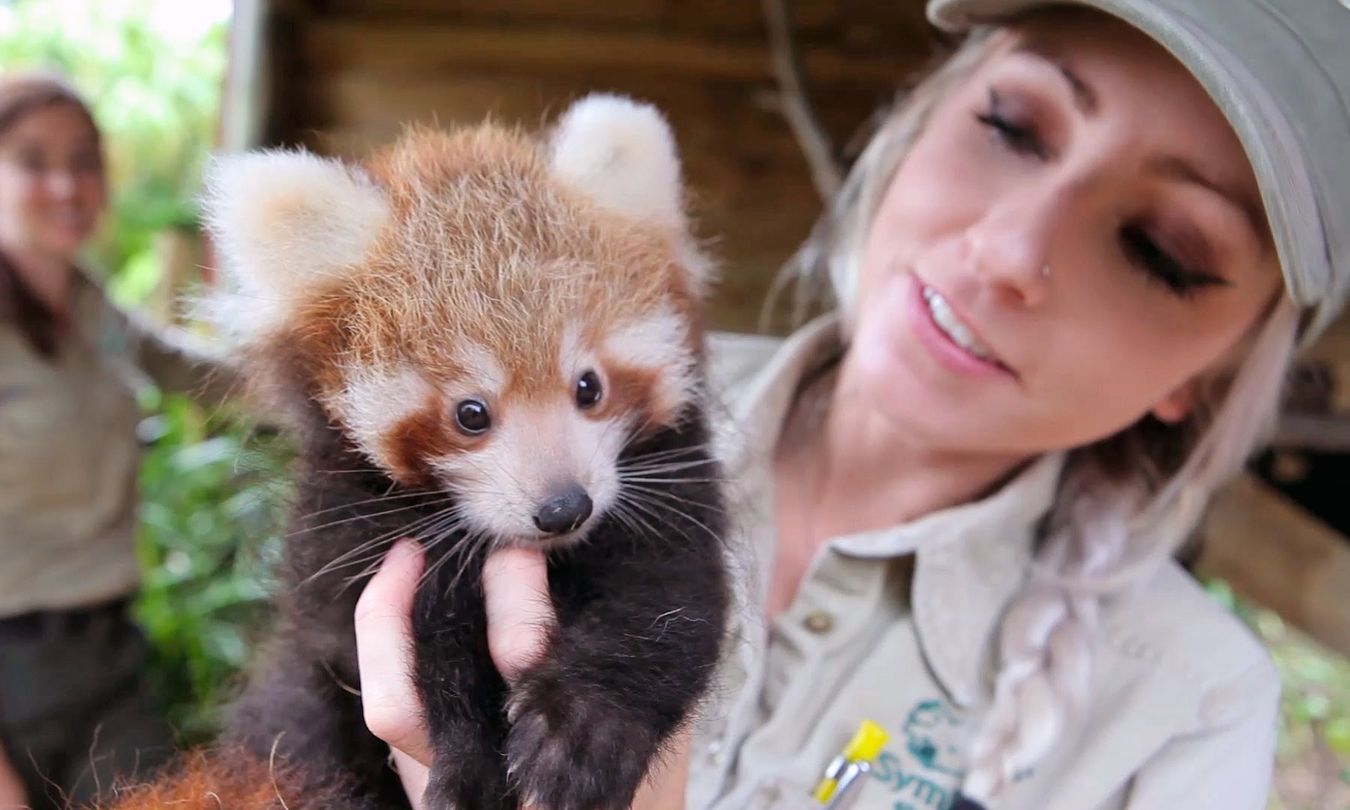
(630, 392)
(420, 436)
(229, 780)
(421, 291)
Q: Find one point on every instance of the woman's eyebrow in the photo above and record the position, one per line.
(1170, 166)
(1178, 168)
(1084, 97)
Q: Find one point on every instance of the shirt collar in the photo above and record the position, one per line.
(969, 558)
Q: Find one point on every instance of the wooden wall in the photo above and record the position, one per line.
(347, 74)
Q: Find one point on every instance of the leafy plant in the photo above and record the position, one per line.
(152, 73)
(213, 495)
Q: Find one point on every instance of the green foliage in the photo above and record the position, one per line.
(1313, 747)
(213, 502)
(152, 71)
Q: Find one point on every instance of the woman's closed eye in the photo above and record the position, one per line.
(1017, 133)
(1160, 266)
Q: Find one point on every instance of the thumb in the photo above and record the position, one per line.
(519, 611)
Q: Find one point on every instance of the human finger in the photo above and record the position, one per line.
(392, 709)
(519, 611)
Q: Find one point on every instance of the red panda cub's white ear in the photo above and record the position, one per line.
(622, 154)
(283, 223)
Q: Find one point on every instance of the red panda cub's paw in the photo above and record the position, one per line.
(467, 773)
(572, 746)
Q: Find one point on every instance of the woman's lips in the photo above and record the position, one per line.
(952, 343)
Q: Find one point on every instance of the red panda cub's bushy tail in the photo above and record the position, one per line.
(231, 779)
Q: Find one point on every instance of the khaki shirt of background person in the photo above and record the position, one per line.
(859, 643)
(69, 451)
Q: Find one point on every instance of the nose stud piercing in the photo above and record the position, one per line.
(1045, 271)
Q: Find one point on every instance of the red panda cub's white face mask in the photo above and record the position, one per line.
(484, 313)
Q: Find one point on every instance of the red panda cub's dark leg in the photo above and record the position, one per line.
(302, 702)
(641, 606)
(462, 693)
(640, 625)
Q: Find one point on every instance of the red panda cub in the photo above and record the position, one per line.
(483, 338)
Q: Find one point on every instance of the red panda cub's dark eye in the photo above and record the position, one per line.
(588, 390)
(471, 415)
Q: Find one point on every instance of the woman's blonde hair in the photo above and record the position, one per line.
(1124, 503)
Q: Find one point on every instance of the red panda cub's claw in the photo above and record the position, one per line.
(481, 338)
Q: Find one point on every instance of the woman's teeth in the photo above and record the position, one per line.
(953, 328)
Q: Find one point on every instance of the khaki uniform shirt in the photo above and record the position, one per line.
(69, 454)
(898, 626)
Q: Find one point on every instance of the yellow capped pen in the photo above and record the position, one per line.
(852, 762)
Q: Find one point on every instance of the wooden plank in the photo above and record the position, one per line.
(1332, 350)
(1274, 553)
(394, 49)
(858, 21)
(245, 95)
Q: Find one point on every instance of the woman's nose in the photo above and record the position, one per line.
(1011, 247)
(62, 183)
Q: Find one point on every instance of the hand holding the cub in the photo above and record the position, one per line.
(515, 582)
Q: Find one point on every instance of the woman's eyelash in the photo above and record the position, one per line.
(1160, 266)
(1141, 249)
(1021, 138)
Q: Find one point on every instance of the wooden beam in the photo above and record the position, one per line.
(676, 16)
(245, 99)
(394, 49)
(1276, 554)
(1332, 350)
(1314, 432)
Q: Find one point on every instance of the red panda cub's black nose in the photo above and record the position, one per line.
(563, 511)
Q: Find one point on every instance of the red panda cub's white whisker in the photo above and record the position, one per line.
(374, 549)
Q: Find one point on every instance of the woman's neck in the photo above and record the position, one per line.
(842, 469)
(49, 278)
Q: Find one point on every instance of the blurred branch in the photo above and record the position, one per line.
(826, 171)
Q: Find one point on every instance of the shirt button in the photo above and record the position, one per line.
(715, 752)
(819, 622)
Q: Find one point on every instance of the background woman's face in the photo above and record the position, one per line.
(52, 188)
(1082, 147)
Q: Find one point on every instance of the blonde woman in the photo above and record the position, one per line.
(1069, 273)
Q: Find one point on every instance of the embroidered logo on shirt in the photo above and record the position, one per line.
(926, 773)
